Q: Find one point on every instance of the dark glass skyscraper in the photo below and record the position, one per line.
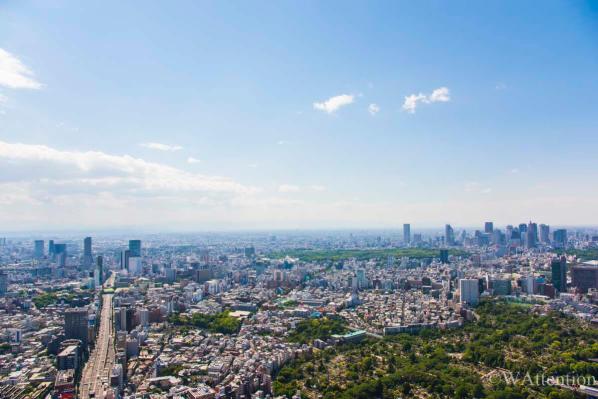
(134, 248)
(559, 274)
(407, 233)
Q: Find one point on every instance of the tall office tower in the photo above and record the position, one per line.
(60, 254)
(531, 235)
(407, 233)
(135, 247)
(544, 233)
(449, 235)
(509, 232)
(469, 291)
(444, 256)
(497, 237)
(559, 237)
(51, 248)
(99, 270)
(75, 324)
(124, 259)
(585, 276)
(3, 283)
(87, 256)
(523, 228)
(39, 249)
(559, 273)
(488, 227)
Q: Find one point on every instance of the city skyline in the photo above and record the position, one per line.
(200, 118)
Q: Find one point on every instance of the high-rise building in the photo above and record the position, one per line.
(87, 255)
(488, 227)
(559, 274)
(99, 271)
(60, 254)
(135, 247)
(444, 256)
(544, 233)
(407, 233)
(585, 276)
(39, 249)
(3, 283)
(449, 235)
(469, 291)
(76, 325)
(559, 237)
(135, 266)
(532, 235)
(124, 259)
(51, 247)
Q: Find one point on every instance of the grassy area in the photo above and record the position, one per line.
(316, 255)
(73, 299)
(453, 364)
(583, 254)
(219, 323)
(308, 330)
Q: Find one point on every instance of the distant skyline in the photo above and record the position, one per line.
(201, 116)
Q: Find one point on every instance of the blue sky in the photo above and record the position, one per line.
(297, 114)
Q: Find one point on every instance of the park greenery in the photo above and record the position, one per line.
(465, 363)
(73, 299)
(221, 322)
(582, 254)
(308, 330)
(312, 255)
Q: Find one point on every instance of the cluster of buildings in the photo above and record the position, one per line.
(53, 302)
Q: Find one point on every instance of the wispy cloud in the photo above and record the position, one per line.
(95, 171)
(317, 187)
(288, 188)
(475, 187)
(193, 160)
(333, 104)
(373, 109)
(411, 102)
(14, 74)
(161, 147)
(500, 86)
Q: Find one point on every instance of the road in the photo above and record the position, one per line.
(96, 373)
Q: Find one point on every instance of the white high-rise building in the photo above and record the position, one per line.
(135, 266)
(469, 291)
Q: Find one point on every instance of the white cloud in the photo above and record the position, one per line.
(500, 86)
(161, 147)
(475, 187)
(333, 104)
(317, 187)
(193, 160)
(253, 165)
(50, 170)
(282, 142)
(441, 94)
(373, 109)
(514, 171)
(14, 74)
(288, 188)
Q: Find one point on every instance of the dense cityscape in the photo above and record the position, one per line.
(220, 315)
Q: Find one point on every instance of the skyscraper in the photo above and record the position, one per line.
(449, 235)
(532, 235)
(100, 269)
(135, 247)
(559, 237)
(51, 247)
(87, 256)
(39, 249)
(407, 233)
(124, 259)
(60, 254)
(488, 227)
(544, 233)
(75, 324)
(3, 283)
(469, 291)
(559, 273)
